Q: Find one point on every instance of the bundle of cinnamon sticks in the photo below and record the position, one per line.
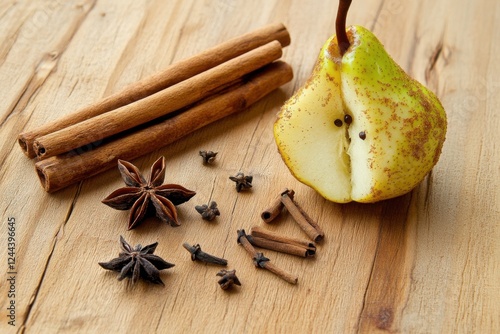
(160, 109)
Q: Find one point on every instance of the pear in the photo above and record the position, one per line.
(360, 129)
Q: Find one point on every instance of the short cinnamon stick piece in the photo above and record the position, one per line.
(276, 207)
(160, 104)
(261, 232)
(63, 170)
(300, 219)
(260, 261)
(171, 75)
(281, 246)
(309, 219)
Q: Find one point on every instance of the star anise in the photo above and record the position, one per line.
(139, 193)
(138, 262)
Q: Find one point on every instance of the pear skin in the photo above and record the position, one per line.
(403, 122)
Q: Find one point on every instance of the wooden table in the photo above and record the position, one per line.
(426, 262)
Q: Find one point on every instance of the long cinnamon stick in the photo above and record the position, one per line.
(162, 103)
(171, 75)
(60, 171)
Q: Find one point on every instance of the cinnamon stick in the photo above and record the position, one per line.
(299, 218)
(276, 207)
(260, 261)
(63, 170)
(171, 75)
(281, 247)
(311, 221)
(260, 232)
(162, 103)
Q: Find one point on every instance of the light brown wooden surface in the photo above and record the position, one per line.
(427, 262)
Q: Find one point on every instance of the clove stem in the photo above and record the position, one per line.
(198, 254)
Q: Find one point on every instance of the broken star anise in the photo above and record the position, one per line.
(139, 194)
(138, 262)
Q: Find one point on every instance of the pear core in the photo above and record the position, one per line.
(395, 138)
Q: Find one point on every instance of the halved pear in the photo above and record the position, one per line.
(394, 132)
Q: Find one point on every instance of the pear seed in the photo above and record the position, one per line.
(348, 119)
(338, 123)
(362, 135)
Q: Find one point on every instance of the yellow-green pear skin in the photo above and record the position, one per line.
(395, 138)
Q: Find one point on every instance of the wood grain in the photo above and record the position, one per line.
(427, 262)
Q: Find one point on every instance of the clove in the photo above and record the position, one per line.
(208, 156)
(242, 182)
(198, 254)
(208, 212)
(228, 279)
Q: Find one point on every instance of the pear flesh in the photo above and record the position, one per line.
(395, 138)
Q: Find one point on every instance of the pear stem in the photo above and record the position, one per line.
(340, 25)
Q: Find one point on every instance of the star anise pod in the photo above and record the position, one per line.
(139, 194)
(138, 262)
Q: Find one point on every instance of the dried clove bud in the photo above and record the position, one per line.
(198, 254)
(208, 212)
(228, 279)
(242, 181)
(208, 156)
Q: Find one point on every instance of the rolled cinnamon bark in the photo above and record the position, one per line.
(162, 103)
(304, 222)
(63, 170)
(275, 209)
(173, 74)
(260, 232)
(281, 247)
